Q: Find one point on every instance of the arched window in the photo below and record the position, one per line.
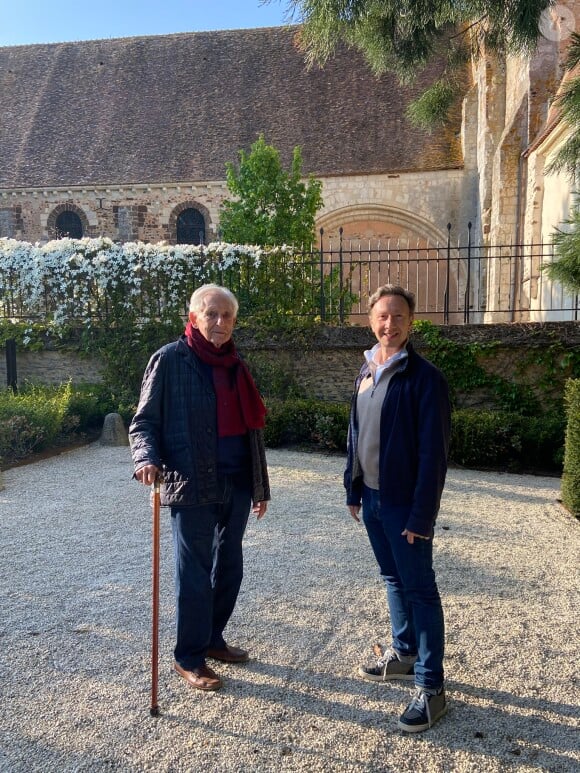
(190, 227)
(68, 224)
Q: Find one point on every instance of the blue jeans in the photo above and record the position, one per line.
(414, 602)
(207, 544)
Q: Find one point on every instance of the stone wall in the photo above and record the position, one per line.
(411, 205)
(326, 364)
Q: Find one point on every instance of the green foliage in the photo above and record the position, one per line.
(571, 474)
(313, 423)
(461, 364)
(125, 351)
(39, 417)
(31, 419)
(457, 361)
(479, 438)
(504, 440)
(274, 377)
(568, 100)
(566, 269)
(542, 440)
(88, 404)
(482, 438)
(434, 104)
(404, 35)
(271, 206)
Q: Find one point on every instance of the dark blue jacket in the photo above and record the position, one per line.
(175, 428)
(414, 442)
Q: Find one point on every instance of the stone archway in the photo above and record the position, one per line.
(61, 210)
(182, 209)
(379, 223)
(380, 244)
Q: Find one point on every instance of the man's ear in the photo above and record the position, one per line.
(193, 318)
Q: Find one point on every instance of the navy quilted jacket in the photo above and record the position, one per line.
(175, 428)
(414, 442)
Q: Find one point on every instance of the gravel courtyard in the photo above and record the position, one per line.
(75, 630)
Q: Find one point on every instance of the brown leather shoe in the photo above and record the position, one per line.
(202, 677)
(229, 654)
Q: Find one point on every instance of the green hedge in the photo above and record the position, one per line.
(479, 438)
(40, 417)
(504, 440)
(571, 474)
(307, 422)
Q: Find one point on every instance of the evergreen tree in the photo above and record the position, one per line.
(272, 207)
(568, 157)
(404, 35)
(566, 269)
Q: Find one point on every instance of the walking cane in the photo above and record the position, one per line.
(154, 710)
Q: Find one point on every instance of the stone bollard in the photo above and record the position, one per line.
(114, 432)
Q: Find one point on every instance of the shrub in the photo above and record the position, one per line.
(309, 422)
(542, 439)
(32, 419)
(500, 439)
(483, 438)
(41, 416)
(571, 475)
(88, 405)
(19, 437)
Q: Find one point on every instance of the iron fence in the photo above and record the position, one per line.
(453, 284)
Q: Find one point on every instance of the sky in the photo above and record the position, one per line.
(55, 21)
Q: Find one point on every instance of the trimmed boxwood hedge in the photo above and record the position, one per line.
(571, 474)
(479, 438)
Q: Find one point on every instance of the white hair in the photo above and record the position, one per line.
(197, 300)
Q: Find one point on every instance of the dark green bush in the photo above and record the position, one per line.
(499, 439)
(542, 439)
(307, 422)
(571, 474)
(39, 417)
(19, 437)
(89, 404)
(483, 438)
(479, 438)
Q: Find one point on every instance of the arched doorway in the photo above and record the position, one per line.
(372, 245)
(190, 227)
(68, 224)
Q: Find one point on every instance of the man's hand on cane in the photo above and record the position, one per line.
(147, 474)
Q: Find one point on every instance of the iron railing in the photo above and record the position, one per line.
(453, 283)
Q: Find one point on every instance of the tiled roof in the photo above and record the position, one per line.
(176, 107)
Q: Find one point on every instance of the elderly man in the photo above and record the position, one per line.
(199, 425)
(397, 462)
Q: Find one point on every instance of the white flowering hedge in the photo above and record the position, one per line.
(86, 280)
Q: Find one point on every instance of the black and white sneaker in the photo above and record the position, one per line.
(423, 711)
(388, 666)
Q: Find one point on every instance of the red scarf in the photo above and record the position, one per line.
(253, 410)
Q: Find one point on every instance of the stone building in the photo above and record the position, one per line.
(512, 129)
(129, 138)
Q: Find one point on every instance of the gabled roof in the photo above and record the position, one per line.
(174, 108)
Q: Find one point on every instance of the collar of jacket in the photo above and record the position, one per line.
(402, 365)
